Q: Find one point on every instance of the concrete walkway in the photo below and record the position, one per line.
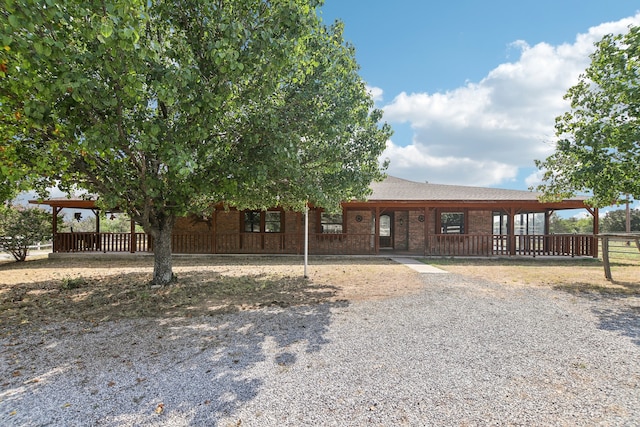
(418, 266)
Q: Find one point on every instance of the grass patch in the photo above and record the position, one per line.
(97, 290)
(575, 275)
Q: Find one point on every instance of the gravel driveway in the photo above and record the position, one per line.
(461, 352)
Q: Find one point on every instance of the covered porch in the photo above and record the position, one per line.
(400, 217)
(392, 230)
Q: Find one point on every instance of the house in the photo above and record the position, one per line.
(400, 216)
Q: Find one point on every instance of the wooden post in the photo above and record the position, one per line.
(605, 257)
(426, 230)
(56, 211)
(132, 238)
(596, 231)
(376, 231)
(512, 231)
(98, 240)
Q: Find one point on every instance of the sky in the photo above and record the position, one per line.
(472, 88)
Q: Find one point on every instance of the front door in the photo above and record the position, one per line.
(386, 231)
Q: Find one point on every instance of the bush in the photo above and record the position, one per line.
(21, 228)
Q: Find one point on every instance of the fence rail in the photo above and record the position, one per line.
(5, 243)
(620, 248)
(332, 244)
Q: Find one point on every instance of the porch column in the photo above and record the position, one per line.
(596, 229)
(97, 214)
(132, 236)
(512, 231)
(426, 230)
(97, 240)
(547, 230)
(56, 211)
(376, 231)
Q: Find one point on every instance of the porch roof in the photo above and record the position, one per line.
(397, 189)
(64, 202)
(398, 192)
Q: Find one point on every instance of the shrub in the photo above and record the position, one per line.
(21, 228)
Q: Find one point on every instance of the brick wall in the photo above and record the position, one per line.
(409, 232)
(227, 221)
(480, 222)
(359, 227)
(401, 230)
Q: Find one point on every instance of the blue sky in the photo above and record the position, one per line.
(472, 88)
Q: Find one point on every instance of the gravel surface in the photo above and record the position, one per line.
(461, 352)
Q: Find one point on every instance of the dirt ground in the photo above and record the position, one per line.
(97, 289)
(575, 275)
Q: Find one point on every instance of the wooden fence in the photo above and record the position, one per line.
(485, 245)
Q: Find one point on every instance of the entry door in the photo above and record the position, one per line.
(386, 231)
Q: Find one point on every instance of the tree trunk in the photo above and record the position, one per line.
(162, 263)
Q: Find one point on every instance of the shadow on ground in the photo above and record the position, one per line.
(129, 296)
(162, 371)
(617, 308)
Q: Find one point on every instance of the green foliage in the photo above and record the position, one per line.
(70, 283)
(166, 107)
(573, 225)
(21, 228)
(616, 221)
(598, 150)
(119, 224)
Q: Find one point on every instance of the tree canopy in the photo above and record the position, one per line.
(166, 107)
(616, 221)
(598, 150)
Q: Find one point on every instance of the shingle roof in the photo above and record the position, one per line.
(397, 189)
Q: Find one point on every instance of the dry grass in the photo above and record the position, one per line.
(584, 275)
(105, 288)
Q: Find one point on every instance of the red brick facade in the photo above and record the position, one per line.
(412, 231)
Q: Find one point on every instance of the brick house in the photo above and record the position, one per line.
(399, 216)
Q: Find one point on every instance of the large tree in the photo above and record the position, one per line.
(598, 148)
(166, 107)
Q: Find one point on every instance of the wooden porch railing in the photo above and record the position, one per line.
(332, 244)
(100, 242)
(505, 245)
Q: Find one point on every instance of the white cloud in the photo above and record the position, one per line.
(534, 179)
(415, 163)
(484, 133)
(376, 93)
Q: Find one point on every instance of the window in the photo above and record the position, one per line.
(452, 223)
(331, 223)
(385, 225)
(272, 222)
(252, 222)
(260, 221)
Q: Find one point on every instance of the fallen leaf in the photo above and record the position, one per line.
(160, 408)
(110, 384)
